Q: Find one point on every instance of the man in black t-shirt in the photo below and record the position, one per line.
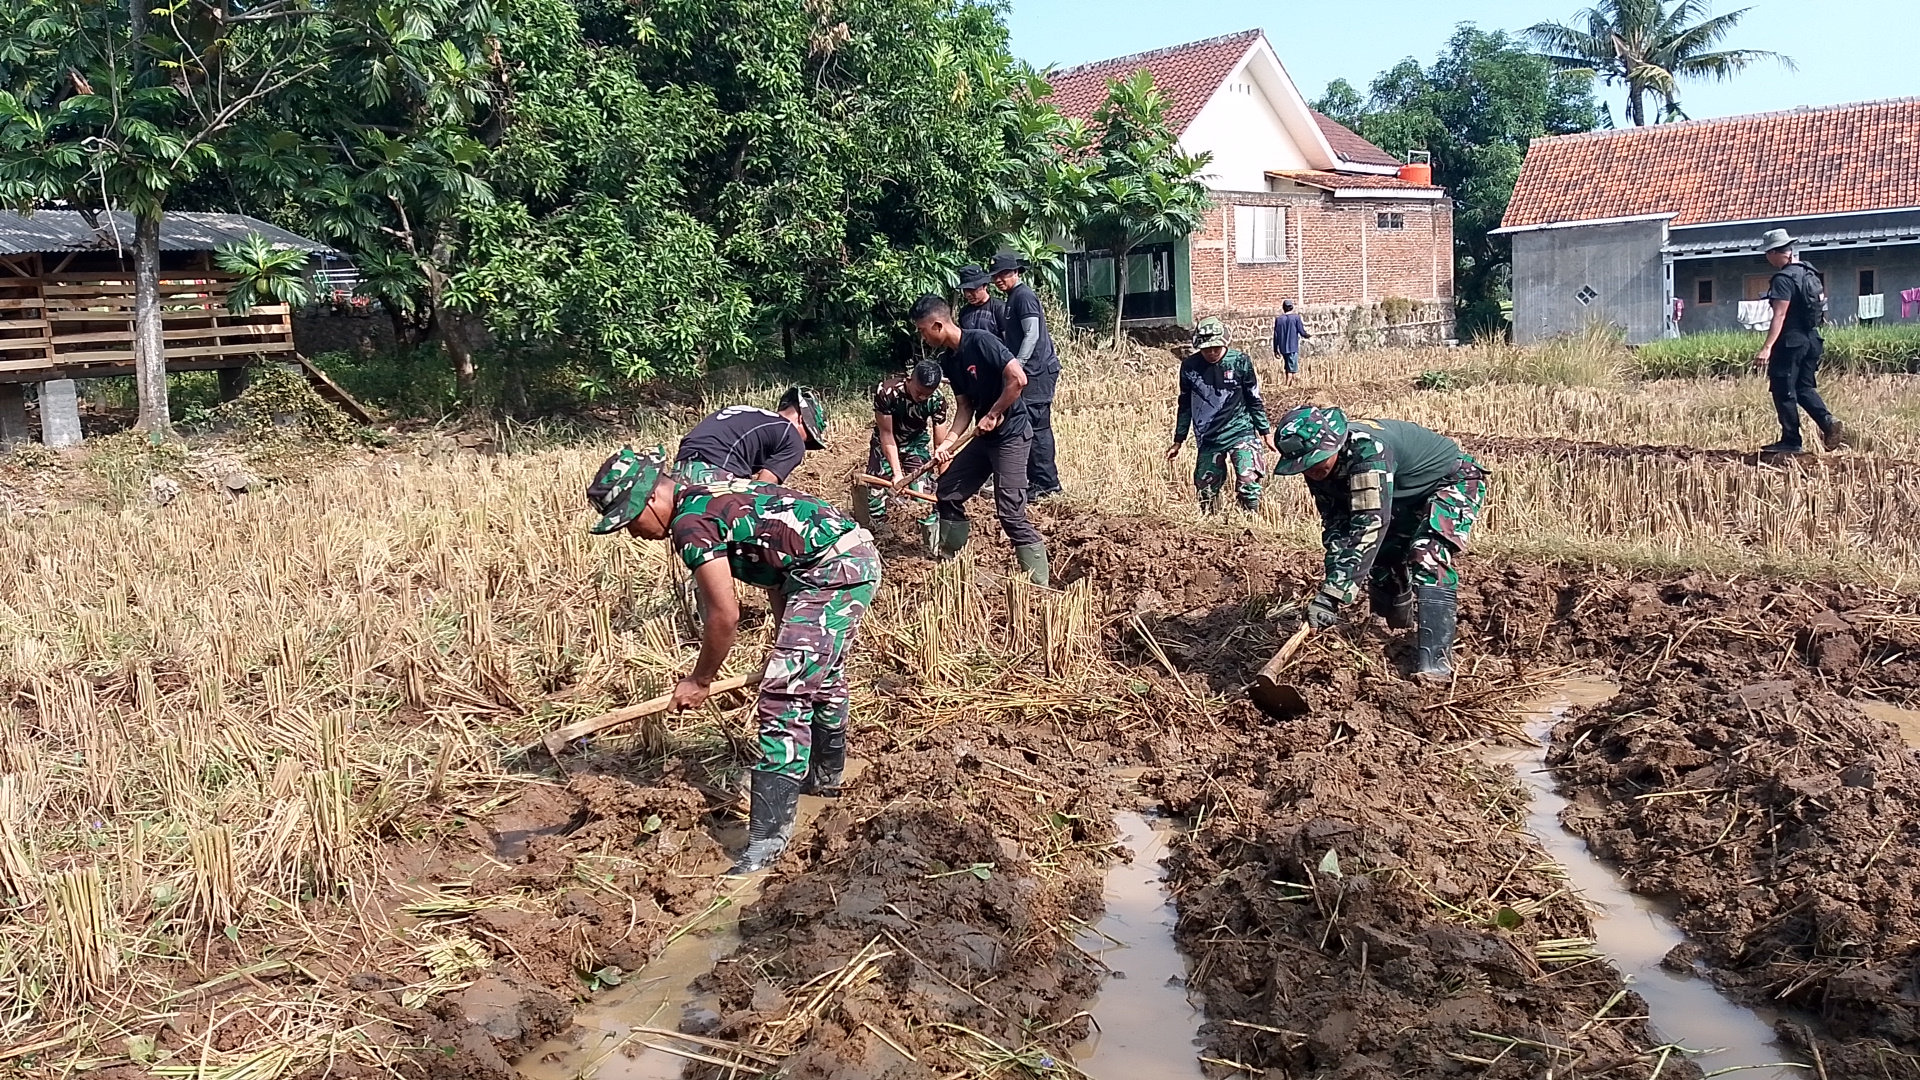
(987, 382)
(1024, 329)
(1793, 347)
(742, 442)
(981, 311)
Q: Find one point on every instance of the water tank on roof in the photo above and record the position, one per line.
(1418, 169)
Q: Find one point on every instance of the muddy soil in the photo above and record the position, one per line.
(1778, 823)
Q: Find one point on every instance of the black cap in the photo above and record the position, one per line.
(1006, 263)
(972, 277)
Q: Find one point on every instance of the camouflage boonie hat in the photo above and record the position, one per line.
(1208, 333)
(813, 414)
(1306, 437)
(622, 486)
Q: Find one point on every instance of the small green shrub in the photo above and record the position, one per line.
(1859, 350)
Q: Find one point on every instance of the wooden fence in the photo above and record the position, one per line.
(80, 325)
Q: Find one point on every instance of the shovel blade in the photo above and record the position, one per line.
(1282, 701)
(857, 495)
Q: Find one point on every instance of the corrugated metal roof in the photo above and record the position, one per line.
(67, 230)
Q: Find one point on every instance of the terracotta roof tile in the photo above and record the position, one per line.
(1837, 159)
(1186, 75)
(1348, 143)
(1348, 181)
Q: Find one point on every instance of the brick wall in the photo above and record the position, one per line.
(1350, 279)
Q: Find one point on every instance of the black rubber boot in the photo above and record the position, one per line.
(1392, 604)
(1783, 448)
(828, 763)
(952, 537)
(1033, 559)
(1836, 437)
(776, 799)
(1437, 608)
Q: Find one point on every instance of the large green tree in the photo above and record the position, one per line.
(128, 104)
(1142, 185)
(1649, 48)
(1475, 109)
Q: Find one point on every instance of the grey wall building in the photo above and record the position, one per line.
(1656, 230)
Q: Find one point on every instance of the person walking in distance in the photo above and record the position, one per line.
(987, 384)
(1288, 332)
(1792, 351)
(820, 570)
(1025, 333)
(909, 420)
(1220, 402)
(743, 442)
(980, 311)
(1397, 503)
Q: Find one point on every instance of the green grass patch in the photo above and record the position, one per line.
(1856, 350)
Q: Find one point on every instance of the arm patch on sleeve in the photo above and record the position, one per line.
(1364, 491)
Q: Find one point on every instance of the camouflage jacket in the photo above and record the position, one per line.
(1386, 467)
(764, 531)
(1220, 402)
(911, 419)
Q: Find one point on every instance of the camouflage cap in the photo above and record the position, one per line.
(813, 414)
(1209, 333)
(622, 486)
(1306, 437)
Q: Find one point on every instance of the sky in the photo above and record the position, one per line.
(1846, 50)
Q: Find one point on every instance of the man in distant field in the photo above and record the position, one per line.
(987, 384)
(909, 419)
(1288, 333)
(743, 442)
(1792, 351)
(1220, 403)
(820, 570)
(1397, 502)
(1024, 330)
(980, 311)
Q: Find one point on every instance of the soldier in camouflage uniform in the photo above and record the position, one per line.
(909, 418)
(821, 571)
(1220, 400)
(1397, 502)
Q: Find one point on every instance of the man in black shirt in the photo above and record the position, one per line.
(982, 311)
(1024, 330)
(987, 382)
(745, 442)
(1793, 347)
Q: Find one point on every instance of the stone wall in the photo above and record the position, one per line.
(1346, 327)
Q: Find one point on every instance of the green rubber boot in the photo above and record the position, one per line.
(953, 537)
(1033, 559)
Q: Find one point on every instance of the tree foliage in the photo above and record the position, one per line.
(1649, 48)
(1475, 109)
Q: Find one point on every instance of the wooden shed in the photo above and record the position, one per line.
(66, 302)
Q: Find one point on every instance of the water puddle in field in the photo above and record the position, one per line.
(1145, 1021)
(632, 1030)
(1632, 931)
(1907, 720)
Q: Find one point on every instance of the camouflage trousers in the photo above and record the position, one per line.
(1423, 537)
(805, 685)
(913, 454)
(1210, 473)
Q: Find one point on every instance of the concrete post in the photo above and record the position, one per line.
(13, 414)
(60, 413)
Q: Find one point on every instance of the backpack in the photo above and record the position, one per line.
(1811, 289)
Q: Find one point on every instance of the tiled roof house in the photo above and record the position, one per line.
(1657, 229)
(1304, 208)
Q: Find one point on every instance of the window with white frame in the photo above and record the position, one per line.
(1390, 220)
(1260, 233)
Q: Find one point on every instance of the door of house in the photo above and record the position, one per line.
(1150, 287)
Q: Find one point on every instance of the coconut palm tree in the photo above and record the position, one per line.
(1649, 48)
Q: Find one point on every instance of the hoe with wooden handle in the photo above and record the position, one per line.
(557, 740)
(1282, 701)
(862, 482)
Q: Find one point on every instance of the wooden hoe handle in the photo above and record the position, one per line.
(557, 740)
